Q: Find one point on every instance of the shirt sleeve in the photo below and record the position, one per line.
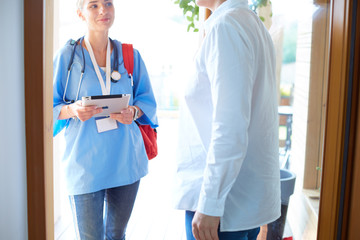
(60, 71)
(229, 65)
(143, 93)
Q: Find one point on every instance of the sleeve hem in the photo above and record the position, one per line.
(211, 207)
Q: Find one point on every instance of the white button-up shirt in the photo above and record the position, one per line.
(228, 163)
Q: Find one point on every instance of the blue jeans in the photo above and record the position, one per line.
(239, 235)
(90, 220)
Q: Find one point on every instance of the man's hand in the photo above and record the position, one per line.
(205, 227)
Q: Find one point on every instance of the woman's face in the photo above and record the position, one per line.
(98, 14)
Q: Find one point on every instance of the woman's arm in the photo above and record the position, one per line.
(144, 98)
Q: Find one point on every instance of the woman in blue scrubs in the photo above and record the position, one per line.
(104, 158)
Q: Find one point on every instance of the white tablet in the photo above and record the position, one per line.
(109, 103)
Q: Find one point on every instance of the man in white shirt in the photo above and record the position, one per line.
(228, 176)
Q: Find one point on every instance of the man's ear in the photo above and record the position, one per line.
(80, 14)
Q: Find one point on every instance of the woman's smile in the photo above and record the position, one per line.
(107, 19)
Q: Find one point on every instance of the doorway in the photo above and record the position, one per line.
(39, 161)
(167, 49)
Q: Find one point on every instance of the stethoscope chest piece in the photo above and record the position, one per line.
(115, 75)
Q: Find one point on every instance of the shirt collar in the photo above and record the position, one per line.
(225, 6)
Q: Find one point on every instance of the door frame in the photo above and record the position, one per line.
(351, 221)
(38, 38)
(338, 145)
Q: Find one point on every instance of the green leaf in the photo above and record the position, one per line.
(191, 10)
(188, 28)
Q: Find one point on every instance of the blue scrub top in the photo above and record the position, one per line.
(94, 161)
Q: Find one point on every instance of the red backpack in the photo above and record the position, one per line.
(149, 134)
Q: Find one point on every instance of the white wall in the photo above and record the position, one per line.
(13, 209)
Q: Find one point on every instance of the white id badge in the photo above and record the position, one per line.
(106, 124)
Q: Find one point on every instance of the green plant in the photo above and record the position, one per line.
(191, 11)
(285, 90)
(255, 4)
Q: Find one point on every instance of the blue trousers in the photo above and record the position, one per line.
(239, 235)
(93, 223)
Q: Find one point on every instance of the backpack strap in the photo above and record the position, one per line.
(128, 56)
(149, 135)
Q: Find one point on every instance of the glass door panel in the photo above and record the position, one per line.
(300, 31)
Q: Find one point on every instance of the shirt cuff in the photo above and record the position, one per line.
(211, 207)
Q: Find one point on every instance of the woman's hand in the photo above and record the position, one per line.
(126, 116)
(81, 112)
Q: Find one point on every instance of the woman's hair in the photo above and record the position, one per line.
(79, 4)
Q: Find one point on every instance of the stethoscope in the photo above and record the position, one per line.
(115, 75)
